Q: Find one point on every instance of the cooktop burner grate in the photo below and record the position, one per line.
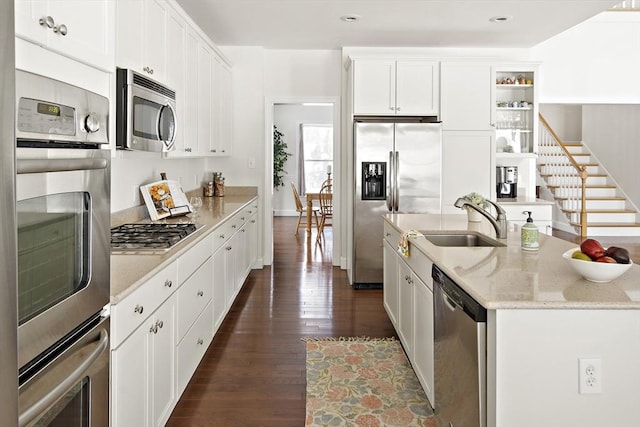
(128, 237)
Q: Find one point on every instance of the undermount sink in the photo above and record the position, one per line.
(461, 240)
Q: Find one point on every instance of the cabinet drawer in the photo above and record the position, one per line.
(129, 313)
(391, 235)
(221, 234)
(193, 296)
(192, 347)
(190, 261)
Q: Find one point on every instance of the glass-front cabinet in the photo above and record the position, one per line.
(516, 109)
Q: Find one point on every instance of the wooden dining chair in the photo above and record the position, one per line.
(301, 208)
(326, 208)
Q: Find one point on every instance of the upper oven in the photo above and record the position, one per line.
(145, 113)
(62, 211)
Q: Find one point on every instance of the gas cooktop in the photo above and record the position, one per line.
(154, 237)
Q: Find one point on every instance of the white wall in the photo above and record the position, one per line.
(612, 133)
(565, 119)
(597, 61)
(288, 118)
(129, 170)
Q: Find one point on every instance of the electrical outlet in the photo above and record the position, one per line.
(590, 376)
(251, 163)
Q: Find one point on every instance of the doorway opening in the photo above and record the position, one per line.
(307, 125)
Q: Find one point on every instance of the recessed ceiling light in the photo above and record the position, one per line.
(350, 18)
(504, 18)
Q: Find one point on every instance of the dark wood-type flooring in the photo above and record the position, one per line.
(253, 374)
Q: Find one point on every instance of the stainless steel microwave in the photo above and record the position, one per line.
(145, 113)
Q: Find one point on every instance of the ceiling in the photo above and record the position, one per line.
(316, 24)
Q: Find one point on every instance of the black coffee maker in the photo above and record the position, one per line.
(506, 182)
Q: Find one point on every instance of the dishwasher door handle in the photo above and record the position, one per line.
(451, 304)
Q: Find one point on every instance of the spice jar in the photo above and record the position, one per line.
(207, 190)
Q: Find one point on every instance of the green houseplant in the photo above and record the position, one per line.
(280, 157)
(476, 199)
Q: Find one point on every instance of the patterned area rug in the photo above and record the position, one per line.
(363, 382)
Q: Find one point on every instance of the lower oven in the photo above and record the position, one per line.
(68, 386)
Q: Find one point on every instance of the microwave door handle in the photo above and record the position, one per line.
(170, 138)
(58, 391)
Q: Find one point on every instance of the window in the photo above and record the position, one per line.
(316, 153)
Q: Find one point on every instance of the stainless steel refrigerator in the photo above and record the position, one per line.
(8, 248)
(398, 164)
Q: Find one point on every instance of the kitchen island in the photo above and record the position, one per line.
(542, 318)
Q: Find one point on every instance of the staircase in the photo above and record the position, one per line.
(564, 166)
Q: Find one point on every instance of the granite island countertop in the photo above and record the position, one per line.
(511, 278)
(130, 270)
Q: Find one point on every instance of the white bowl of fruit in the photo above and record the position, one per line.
(596, 263)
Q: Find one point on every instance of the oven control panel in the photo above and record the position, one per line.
(46, 117)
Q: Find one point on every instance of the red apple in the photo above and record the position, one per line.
(621, 255)
(592, 248)
(607, 259)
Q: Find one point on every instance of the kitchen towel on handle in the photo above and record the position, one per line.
(403, 243)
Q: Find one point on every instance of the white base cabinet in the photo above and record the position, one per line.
(408, 300)
(160, 332)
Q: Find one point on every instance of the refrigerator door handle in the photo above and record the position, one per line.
(396, 191)
(390, 183)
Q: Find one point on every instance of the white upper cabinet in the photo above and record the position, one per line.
(222, 107)
(79, 29)
(390, 87)
(141, 36)
(466, 96)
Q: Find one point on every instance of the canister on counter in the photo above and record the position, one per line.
(218, 186)
(208, 189)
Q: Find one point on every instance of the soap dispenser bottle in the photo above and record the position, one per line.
(529, 234)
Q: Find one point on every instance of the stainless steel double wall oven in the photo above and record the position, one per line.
(63, 224)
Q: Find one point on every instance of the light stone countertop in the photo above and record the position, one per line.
(511, 278)
(524, 201)
(130, 270)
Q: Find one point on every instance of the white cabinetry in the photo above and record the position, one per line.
(222, 106)
(466, 94)
(408, 299)
(390, 87)
(82, 30)
(468, 166)
(141, 37)
(143, 355)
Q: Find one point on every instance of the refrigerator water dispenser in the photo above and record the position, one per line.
(373, 180)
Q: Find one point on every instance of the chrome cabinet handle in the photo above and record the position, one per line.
(233, 226)
(253, 221)
(243, 230)
(222, 236)
(47, 21)
(214, 150)
(387, 234)
(153, 329)
(200, 293)
(148, 70)
(242, 218)
(200, 341)
(62, 29)
(138, 309)
(160, 323)
(228, 248)
(168, 283)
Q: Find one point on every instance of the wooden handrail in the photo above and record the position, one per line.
(580, 169)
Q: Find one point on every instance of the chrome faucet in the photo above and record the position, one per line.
(499, 223)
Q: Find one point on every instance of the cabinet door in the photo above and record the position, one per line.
(205, 93)
(80, 29)
(154, 41)
(190, 96)
(390, 282)
(405, 307)
(466, 96)
(129, 29)
(374, 90)
(417, 88)
(162, 387)
(129, 377)
(423, 336)
(468, 165)
(223, 110)
(28, 14)
(219, 306)
(175, 62)
(252, 240)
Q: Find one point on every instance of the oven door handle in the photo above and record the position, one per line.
(58, 391)
(58, 165)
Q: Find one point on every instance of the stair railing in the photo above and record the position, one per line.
(565, 174)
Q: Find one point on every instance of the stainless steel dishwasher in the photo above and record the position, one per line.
(460, 356)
